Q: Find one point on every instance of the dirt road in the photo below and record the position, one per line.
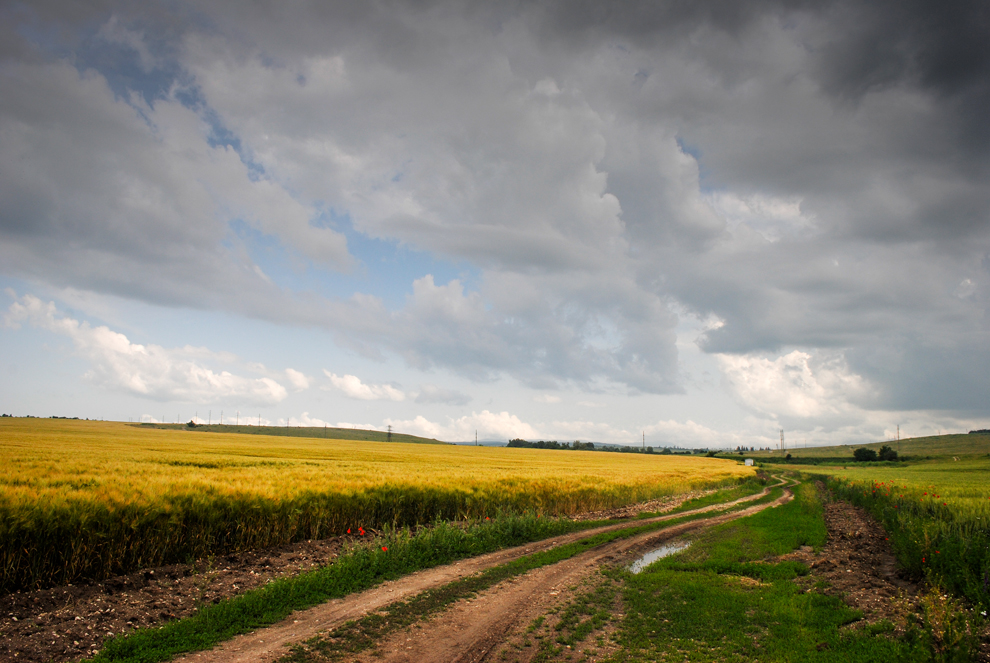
(469, 630)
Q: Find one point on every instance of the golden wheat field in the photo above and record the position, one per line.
(89, 499)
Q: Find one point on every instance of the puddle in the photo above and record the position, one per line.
(665, 550)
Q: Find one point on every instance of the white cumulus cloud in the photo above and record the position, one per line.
(793, 385)
(352, 387)
(166, 374)
(298, 380)
(501, 425)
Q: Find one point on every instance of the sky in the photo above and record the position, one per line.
(690, 224)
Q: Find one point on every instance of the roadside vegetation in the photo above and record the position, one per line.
(938, 517)
(726, 599)
(935, 504)
(90, 500)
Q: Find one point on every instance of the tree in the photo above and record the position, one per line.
(886, 453)
(864, 454)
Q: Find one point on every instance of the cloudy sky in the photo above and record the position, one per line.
(701, 221)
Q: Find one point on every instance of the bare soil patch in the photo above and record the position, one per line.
(858, 565)
(659, 505)
(541, 636)
(67, 623)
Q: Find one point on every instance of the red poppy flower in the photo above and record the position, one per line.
(348, 530)
(385, 548)
(361, 531)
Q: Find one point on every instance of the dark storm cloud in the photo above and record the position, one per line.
(811, 174)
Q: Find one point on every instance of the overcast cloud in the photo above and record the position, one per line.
(517, 207)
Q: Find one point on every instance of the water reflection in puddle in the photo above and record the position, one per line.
(665, 550)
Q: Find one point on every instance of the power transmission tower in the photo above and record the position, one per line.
(783, 446)
(389, 433)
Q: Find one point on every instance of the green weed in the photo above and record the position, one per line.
(725, 599)
(939, 532)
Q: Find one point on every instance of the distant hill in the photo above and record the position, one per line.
(300, 431)
(961, 444)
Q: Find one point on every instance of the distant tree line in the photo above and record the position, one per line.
(578, 445)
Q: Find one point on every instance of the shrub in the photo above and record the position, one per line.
(864, 454)
(886, 453)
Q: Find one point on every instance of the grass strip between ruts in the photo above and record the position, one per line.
(357, 571)
(364, 633)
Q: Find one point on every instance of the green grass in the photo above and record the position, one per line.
(738, 547)
(936, 508)
(699, 605)
(583, 616)
(938, 518)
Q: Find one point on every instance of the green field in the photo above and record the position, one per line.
(935, 505)
(937, 446)
(721, 600)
